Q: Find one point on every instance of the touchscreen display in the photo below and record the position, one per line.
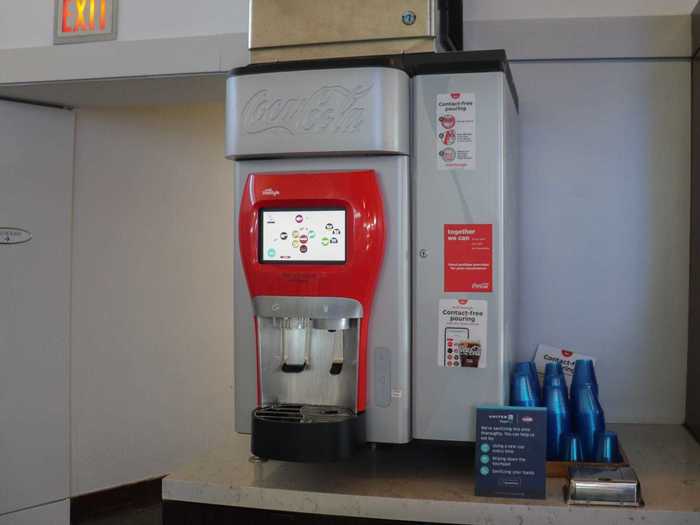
(292, 236)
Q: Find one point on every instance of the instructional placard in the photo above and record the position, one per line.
(456, 131)
(468, 250)
(462, 327)
(511, 445)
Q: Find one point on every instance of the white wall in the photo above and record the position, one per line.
(524, 9)
(605, 202)
(151, 360)
(29, 23)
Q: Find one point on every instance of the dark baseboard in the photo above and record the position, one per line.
(183, 513)
(119, 499)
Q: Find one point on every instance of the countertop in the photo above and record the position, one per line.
(435, 483)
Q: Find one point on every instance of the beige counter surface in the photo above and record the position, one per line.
(423, 482)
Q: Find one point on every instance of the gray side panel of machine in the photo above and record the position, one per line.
(445, 399)
(389, 357)
(511, 211)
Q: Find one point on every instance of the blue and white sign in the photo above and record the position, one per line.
(511, 448)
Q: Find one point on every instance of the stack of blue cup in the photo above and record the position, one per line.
(588, 416)
(557, 402)
(575, 419)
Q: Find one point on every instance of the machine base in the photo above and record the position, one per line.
(306, 433)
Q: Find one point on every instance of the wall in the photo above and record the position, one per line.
(151, 359)
(605, 190)
(693, 398)
(29, 23)
(162, 37)
(605, 225)
(537, 9)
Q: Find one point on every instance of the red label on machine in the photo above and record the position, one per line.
(468, 258)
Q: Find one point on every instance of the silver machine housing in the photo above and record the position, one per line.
(389, 127)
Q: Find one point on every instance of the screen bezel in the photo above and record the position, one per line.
(261, 214)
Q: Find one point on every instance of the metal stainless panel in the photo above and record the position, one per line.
(394, 46)
(604, 486)
(282, 23)
(294, 113)
(310, 307)
(390, 325)
(313, 386)
(445, 399)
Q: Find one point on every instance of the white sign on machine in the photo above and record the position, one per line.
(456, 131)
(462, 326)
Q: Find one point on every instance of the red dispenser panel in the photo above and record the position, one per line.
(315, 235)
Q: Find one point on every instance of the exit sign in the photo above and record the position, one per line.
(85, 21)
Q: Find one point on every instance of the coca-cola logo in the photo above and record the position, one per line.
(330, 109)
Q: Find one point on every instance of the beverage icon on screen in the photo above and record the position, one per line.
(303, 248)
(271, 252)
(336, 231)
(295, 243)
(329, 226)
(299, 218)
(284, 236)
(312, 234)
(295, 234)
(334, 240)
(304, 239)
(325, 241)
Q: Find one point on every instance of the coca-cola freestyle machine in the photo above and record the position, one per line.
(374, 270)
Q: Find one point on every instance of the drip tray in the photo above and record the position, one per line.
(291, 432)
(304, 413)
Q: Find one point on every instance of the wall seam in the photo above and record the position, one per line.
(70, 308)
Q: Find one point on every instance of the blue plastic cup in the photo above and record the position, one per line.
(588, 418)
(607, 449)
(558, 420)
(536, 379)
(528, 367)
(555, 380)
(571, 448)
(584, 372)
(553, 369)
(522, 392)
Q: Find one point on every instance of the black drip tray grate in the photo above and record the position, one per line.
(304, 413)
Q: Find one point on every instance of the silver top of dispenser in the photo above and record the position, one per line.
(358, 110)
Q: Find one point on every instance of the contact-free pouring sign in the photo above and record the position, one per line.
(85, 21)
(456, 131)
(462, 329)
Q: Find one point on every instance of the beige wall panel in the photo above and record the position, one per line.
(152, 358)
